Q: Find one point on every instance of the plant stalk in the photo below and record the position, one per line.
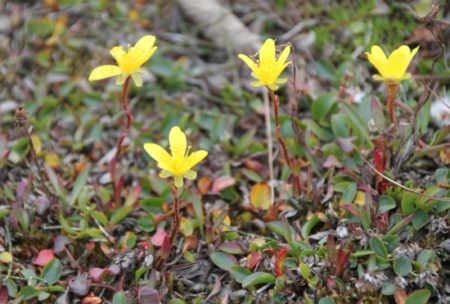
(176, 216)
(284, 150)
(117, 184)
(391, 97)
(269, 145)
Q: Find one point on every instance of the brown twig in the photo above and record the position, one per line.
(278, 135)
(113, 166)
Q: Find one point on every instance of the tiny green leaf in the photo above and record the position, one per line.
(223, 260)
(52, 271)
(420, 296)
(258, 278)
(402, 265)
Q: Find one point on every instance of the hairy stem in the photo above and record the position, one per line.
(113, 166)
(176, 216)
(391, 97)
(269, 145)
(281, 141)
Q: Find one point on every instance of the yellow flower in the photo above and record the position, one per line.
(129, 62)
(392, 69)
(180, 163)
(268, 69)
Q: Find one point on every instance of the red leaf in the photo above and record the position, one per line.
(253, 259)
(3, 295)
(341, 261)
(165, 247)
(222, 183)
(159, 237)
(350, 208)
(331, 248)
(44, 257)
(97, 274)
(279, 259)
(378, 159)
(149, 295)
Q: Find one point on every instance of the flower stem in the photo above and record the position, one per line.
(392, 95)
(284, 150)
(49, 194)
(117, 184)
(269, 145)
(176, 216)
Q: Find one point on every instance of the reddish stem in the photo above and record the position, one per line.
(112, 169)
(176, 216)
(392, 95)
(279, 136)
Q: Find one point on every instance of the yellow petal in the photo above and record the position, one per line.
(137, 79)
(145, 42)
(273, 87)
(248, 61)
(177, 141)
(267, 52)
(256, 84)
(147, 54)
(398, 62)
(378, 53)
(178, 181)
(165, 174)
(158, 153)
(143, 49)
(377, 62)
(104, 71)
(195, 158)
(190, 175)
(284, 54)
(117, 52)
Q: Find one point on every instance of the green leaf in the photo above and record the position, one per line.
(386, 203)
(244, 142)
(326, 300)
(377, 114)
(239, 273)
(402, 265)
(309, 225)
(349, 193)
(388, 289)
(420, 296)
(378, 246)
(223, 260)
(51, 272)
(425, 256)
(420, 219)
(258, 278)
(322, 105)
(360, 125)
(119, 298)
(408, 203)
(29, 292)
(339, 125)
(304, 270)
(423, 117)
(279, 228)
(79, 185)
(120, 214)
